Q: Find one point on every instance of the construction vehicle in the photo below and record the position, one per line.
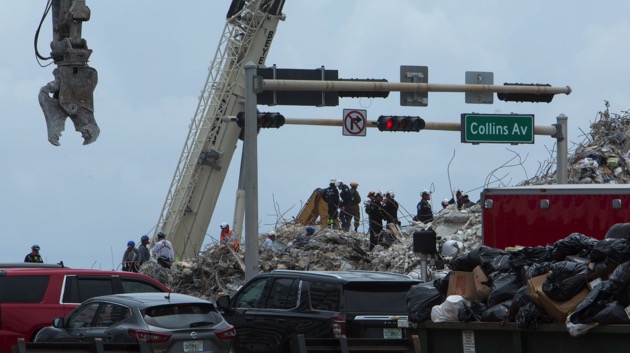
(315, 208)
(187, 211)
(70, 94)
(547, 213)
(211, 141)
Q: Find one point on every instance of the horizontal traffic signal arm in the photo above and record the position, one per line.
(339, 86)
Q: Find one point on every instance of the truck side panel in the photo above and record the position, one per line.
(533, 217)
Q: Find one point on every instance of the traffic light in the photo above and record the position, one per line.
(400, 123)
(525, 97)
(265, 120)
(366, 94)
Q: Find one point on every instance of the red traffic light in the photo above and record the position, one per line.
(400, 123)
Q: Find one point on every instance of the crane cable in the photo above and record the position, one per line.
(38, 56)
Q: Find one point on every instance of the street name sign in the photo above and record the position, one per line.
(497, 128)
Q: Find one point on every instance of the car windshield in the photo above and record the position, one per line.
(182, 316)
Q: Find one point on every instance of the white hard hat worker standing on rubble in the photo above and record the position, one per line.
(267, 244)
(228, 236)
(425, 213)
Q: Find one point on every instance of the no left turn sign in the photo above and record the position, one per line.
(354, 122)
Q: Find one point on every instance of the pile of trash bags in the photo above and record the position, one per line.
(591, 274)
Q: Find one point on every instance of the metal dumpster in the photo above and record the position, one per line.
(477, 337)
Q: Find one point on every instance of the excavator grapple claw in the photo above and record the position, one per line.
(70, 95)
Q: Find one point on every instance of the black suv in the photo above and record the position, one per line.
(271, 308)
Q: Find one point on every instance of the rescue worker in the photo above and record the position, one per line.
(355, 210)
(345, 205)
(445, 203)
(374, 209)
(331, 196)
(390, 209)
(228, 236)
(302, 240)
(267, 244)
(143, 251)
(461, 199)
(163, 250)
(130, 258)
(425, 214)
(34, 256)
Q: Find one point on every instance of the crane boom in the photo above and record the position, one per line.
(211, 142)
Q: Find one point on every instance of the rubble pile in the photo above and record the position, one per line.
(602, 158)
(216, 271)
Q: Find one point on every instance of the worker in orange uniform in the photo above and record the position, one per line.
(228, 236)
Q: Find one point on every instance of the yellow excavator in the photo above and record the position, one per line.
(314, 209)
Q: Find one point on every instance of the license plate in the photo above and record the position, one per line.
(193, 346)
(392, 333)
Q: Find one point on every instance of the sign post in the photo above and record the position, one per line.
(497, 128)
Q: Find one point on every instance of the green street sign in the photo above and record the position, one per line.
(497, 128)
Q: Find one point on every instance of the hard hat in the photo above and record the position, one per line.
(354, 184)
(390, 194)
(161, 235)
(144, 238)
(271, 234)
(131, 243)
(333, 181)
(339, 182)
(371, 193)
(224, 225)
(451, 248)
(424, 192)
(445, 202)
(35, 247)
(378, 194)
(310, 230)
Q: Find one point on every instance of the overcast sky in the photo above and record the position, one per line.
(82, 204)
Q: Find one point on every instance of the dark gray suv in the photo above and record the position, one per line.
(272, 308)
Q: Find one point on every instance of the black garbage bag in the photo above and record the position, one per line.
(521, 298)
(529, 256)
(575, 244)
(497, 313)
(442, 284)
(467, 262)
(500, 263)
(611, 251)
(534, 270)
(504, 287)
(530, 315)
(612, 313)
(619, 231)
(420, 299)
(593, 303)
(565, 280)
(472, 311)
(620, 283)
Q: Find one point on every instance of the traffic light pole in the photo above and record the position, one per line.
(250, 154)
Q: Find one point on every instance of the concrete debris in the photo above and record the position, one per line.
(215, 271)
(602, 158)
